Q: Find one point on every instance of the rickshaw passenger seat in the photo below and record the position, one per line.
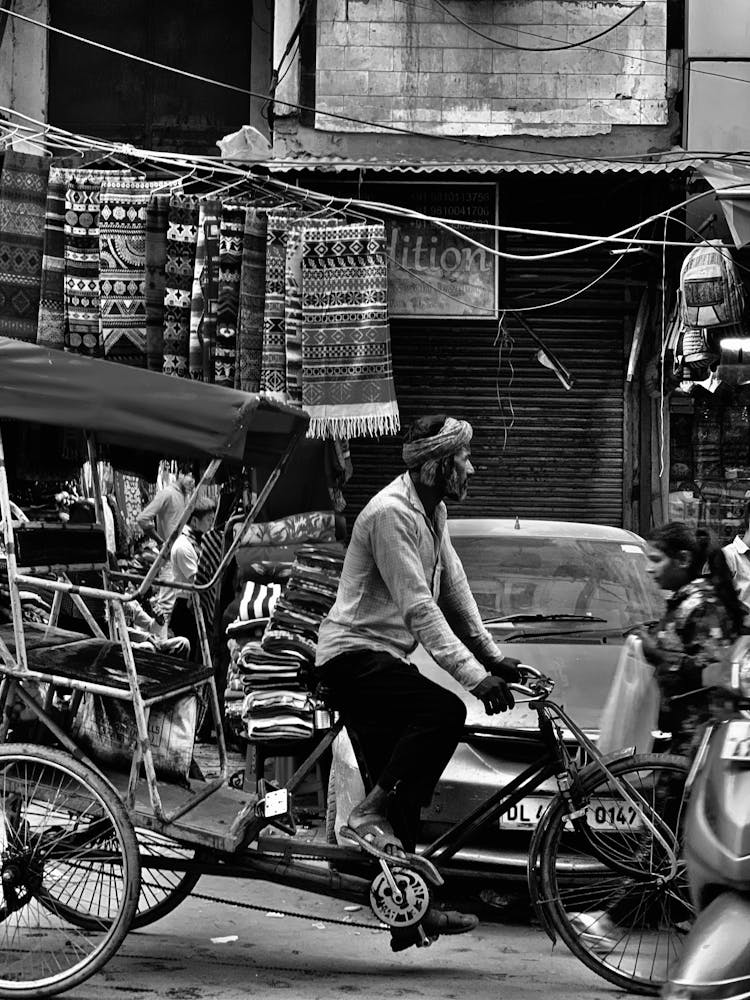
(69, 655)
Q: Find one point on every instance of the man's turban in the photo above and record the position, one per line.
(425, 454)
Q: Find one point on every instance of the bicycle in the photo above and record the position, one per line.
(603, 852)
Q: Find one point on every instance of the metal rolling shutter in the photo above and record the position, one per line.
(562, 458)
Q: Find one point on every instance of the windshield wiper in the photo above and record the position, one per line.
(543, 618)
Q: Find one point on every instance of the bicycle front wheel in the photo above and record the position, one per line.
(56, 817)
(609, 887)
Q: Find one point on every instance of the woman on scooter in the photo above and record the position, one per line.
(702, 619)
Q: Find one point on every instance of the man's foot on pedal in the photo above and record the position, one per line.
(435, 922)
(375, 832)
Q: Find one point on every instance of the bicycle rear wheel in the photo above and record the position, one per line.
(55, 812)
(607, 884)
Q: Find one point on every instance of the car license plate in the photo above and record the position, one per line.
(737, 741)
(602, 814)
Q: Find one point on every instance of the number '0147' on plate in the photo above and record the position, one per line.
(601, 814)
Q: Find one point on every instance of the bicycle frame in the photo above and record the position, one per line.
(555, 761)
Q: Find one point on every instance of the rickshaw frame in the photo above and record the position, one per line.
(139, 410)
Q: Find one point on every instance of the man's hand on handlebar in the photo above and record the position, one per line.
(495, 694)
(506, 669)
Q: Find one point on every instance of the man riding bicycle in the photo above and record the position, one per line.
(402, 584)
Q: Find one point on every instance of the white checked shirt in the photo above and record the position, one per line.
(398, 565)
(737, 555)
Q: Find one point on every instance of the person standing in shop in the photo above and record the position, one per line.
(157, 520)
(185, 554)
(737, 555)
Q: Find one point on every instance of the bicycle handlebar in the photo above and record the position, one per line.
(541, 689)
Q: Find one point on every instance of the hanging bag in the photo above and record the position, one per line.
(711, 293)
(631, 711)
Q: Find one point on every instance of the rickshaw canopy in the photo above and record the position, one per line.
(141, 410)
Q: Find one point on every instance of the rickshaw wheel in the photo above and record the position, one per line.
(161, 889)
(54, 813)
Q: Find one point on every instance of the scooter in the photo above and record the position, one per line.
(715, 961)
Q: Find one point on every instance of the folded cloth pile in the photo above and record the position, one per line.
(272, 675)
(307, 599)
(278, 715)
(273, 688)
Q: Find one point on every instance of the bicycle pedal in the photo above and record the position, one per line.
(423, 940)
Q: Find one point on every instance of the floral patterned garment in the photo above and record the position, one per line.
(694, 633)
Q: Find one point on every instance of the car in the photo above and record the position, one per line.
(560, 596)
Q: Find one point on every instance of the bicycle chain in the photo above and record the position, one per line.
(287, 913)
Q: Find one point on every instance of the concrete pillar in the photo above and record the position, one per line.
(23, 64)
(286, 16)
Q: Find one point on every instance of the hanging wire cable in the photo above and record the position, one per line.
(555, 157)
(211, 164)
(290, 64)
(661, 63)
(504, 339)
(292, 40)
(533, 48)
(663, 347)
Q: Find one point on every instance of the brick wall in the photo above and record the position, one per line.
(408, 62)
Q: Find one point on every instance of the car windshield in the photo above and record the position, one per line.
(547, 577)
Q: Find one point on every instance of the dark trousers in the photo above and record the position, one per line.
(404, 728)
(182, 622)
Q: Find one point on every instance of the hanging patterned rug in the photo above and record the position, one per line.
(122, 272)
(51, 331)
(292, 302)
(273, 361)
(204, 293)
(51, 324)
(82, 265)
(182, 235)
(252, 301)
(23, 197)
(157, 219)
(347, 371)
(230, 266)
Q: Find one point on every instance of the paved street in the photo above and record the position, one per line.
(184, 956)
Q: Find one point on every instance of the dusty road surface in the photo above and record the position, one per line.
(209, 951)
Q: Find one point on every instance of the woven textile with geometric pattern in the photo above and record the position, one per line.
(23, 198)
(347, 371)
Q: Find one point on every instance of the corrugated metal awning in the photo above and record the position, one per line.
(676, 163)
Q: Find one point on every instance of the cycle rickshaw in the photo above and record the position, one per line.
(88, 851)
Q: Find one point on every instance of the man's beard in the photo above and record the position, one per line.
(455, 488)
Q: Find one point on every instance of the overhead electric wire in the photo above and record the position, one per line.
(212, 165)
(555, 157)
(594, 48)
(532, 48)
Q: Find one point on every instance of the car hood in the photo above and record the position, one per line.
(582, 672)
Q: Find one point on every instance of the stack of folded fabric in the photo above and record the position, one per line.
(306, 600)
(275, 671)
(278, 715)
(276, 704)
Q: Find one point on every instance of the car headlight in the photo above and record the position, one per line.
(741, 666)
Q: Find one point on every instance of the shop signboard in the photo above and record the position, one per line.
(434, 271)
